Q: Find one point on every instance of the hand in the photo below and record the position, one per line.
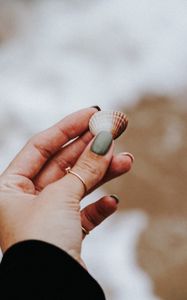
(38, 200)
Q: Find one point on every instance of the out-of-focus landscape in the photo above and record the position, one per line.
(59, 56)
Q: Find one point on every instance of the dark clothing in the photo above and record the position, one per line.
(37, 270)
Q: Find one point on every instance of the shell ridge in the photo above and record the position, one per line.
(112, 121)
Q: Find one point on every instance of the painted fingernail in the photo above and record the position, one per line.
(115, 197)
(97, 107)
(102, 143)
(129, 155)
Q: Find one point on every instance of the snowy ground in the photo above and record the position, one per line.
(76, 53)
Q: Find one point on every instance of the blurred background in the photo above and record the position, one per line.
(61, 55)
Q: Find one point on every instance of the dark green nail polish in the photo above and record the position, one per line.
(115, 197)
(102, 143)
(97, 107)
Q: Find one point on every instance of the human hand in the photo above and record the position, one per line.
(38, 200)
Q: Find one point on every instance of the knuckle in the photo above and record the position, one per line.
(43, 149)
(101, 210)
(44, 152)
(90, 167)
(61, 163)
(91, 219)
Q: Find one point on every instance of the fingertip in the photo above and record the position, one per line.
(102, 143)
(108, 205)
(121, 164)
(115, 197)
(96, 107)
(130, 155)
(126, 161)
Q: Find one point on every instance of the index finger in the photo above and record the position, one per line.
(42, 146)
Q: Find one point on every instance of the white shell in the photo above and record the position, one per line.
(111, 121)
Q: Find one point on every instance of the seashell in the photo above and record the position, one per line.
(111, 121)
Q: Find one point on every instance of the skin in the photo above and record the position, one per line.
(38, 200)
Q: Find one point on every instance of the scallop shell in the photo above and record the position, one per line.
(111, 121)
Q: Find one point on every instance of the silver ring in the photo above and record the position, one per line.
(68, 170)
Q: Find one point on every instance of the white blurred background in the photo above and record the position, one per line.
(59, 56)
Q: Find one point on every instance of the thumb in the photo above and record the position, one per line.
(90, 167)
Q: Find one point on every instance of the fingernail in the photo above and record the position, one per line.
(102, 143)
(116, 198)
(129, 155)
(97, 107)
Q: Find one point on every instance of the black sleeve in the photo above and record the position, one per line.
(37, 270)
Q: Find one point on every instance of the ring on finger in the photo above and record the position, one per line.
(86, 232)
(68, 170)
